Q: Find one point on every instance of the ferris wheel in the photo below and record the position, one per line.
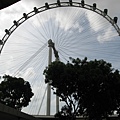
(76, 29)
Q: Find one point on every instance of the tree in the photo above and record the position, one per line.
(88, 88)
(15, 92)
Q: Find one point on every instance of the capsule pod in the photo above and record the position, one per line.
(7, 31)
(105, 11)
(115, 19)
(35, 10)
(94, 6)
(1, 42)
(15, 22)
(58, 2)
(47, 5)
(70, 1)
(82, 3)
(25, 15)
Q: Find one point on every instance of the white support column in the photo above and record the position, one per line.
(57, 104)
(57, 98)
(50, 44)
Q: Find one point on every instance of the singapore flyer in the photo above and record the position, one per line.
(77, 30)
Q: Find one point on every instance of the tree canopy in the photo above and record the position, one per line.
(88, 88)
(15, 92)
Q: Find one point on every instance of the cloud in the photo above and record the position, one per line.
(62, 19)
(95, 21)
(15, 11)
(112, 5)
(29, 73)
(107, 35)
(8, 15)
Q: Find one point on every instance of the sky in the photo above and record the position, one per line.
(15, 11)
(76, 33)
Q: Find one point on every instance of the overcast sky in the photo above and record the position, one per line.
(15, 12)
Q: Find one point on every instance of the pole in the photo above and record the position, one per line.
(57, 104)
(50, 44)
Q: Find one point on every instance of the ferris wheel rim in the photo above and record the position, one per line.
(52, 6)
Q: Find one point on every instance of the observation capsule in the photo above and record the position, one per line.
(25, 15)
(15, 22)
(105, 12)
(70, 1)
(47, 5)
(58, 2)
(1, 42)
(7, 31)
(82, 3)
(35, 10)
(115, 19)
(94, 6)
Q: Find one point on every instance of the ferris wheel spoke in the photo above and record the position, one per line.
(36, 28)
(41, 23)
(31, 58)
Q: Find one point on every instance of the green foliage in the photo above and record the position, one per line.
(89, 88)
(15, 92)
